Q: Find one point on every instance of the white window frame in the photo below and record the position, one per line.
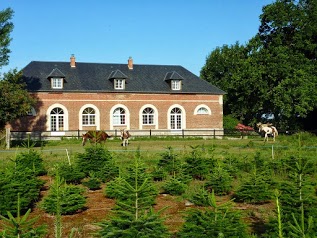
(119, 116)
(119, 83)
(57, 83)
(65, 118)
(97, 116)
(89, 114)
(176, 84)
(202, 109)
(148, 117)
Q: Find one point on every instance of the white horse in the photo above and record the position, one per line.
(267, 129)
(125, 135)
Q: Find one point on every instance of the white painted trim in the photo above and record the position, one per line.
(97, 118)
(202, 105)
(156, 123)
(169, 116)
(127, 125)
(48, 116)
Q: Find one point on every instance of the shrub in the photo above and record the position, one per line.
(14, 182)
(214, 221)
(32, 160)
(69, 198)
(70, 173)
(94, 159)
(174, 186)
(219, 181)
(93, 183)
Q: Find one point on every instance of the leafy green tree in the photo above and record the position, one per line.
(274, 73)
(6, 27)
(15, 101)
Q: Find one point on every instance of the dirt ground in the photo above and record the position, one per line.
(99, 207)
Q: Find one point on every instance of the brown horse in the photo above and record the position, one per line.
(95, 136)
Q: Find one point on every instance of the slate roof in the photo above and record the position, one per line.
(96, 77)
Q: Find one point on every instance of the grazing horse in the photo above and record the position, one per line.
(125, 135)
(267, 129)
(95, 136)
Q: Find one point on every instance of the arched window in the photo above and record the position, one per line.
(57, 119)
(89, 117)
(148, 116)
(119, 116)
(202, 110)
(176, 118)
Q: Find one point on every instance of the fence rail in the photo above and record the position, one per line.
(184, 133)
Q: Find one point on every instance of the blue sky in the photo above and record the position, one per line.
(168, 32)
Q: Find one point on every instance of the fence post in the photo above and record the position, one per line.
(214, 133)
(8, 138)
(183, 134)
(150, 133)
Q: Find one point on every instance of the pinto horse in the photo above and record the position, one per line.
(95, 136)
(267, 129)
(125, 135)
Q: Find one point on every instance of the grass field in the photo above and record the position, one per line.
(150, 151)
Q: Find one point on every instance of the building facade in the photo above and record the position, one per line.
(93, 96)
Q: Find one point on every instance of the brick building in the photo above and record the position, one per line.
(83, 96)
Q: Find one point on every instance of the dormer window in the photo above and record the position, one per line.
(119, 83)
(57, 83)
(118, 78)
(57, 79)
(174, 80)
(176, 84)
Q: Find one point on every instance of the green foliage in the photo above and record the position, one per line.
(6, 27)
(15, 101)
(174, 186)
(273, 73)
(69, 198)
(31, 160)
(92, 182)
(216, 221)
(21, 226)
(229, 122)
(18, 181)
(148, 224)
(70, 173)
(255, 188)
(219, 181)
(158, 173)
(133, 215)
(108, 172)
(94, 159)
(169, 161)
(200, 197)
(197, 165)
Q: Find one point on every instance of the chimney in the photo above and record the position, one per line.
(72, 61)
(130, 63)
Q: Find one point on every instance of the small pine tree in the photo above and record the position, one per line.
(216, 221)
(69, 198)
(133, 215)
(21, 226)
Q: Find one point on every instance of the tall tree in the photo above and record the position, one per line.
(274, 73)
(6, 28)
(15, 100)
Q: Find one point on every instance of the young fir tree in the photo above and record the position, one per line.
(255, 188)
(219, 180)
(133, 215)
(18, 226)
(216, 221)
(67, 198)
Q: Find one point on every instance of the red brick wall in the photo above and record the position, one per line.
(105, 101)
